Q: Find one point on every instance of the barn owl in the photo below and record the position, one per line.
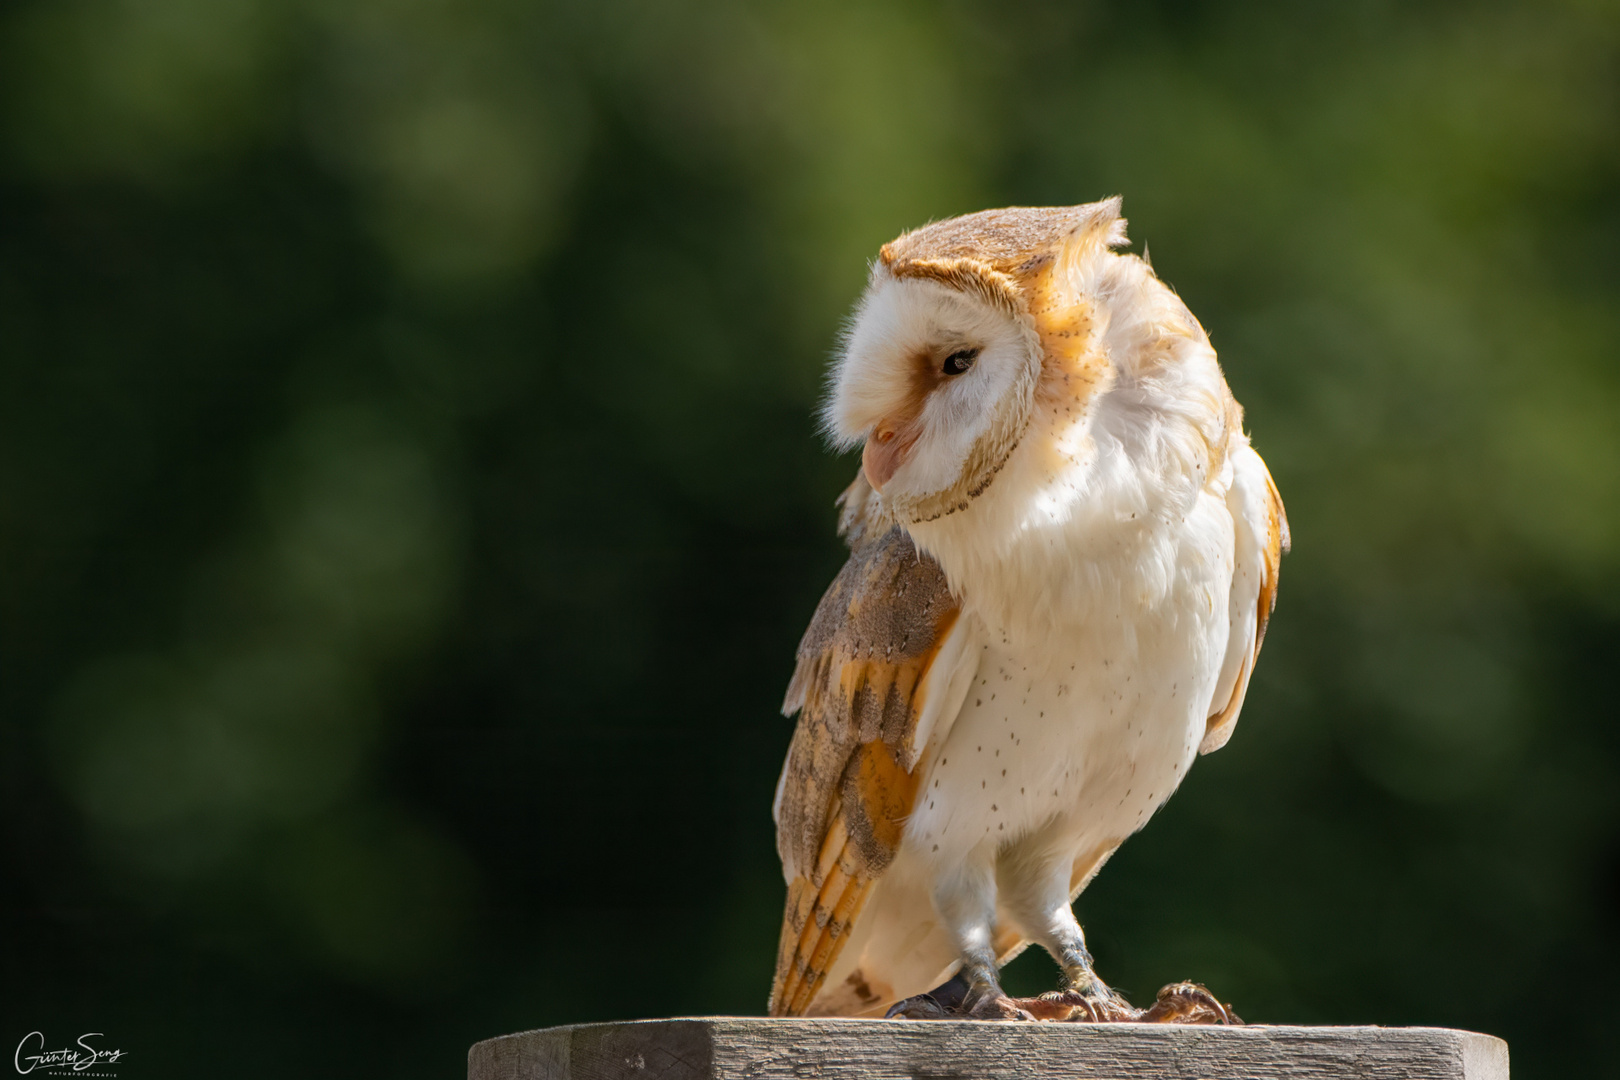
(1064, 553)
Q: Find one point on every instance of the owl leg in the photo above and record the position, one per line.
(966, 903)
(1035, 893)
(965, 900)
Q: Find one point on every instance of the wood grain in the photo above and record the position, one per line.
(738, 1048)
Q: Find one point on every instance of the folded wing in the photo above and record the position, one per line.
(1260, 536)
(866, 672)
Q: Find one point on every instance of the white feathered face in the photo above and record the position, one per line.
(938, 384)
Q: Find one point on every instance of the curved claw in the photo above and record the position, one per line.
(998, 1007)
(1178, 1003)
(989, 1007)
(1189, 1003)
(1096, 1006)
(921, 1007)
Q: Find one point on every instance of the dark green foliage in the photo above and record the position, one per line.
(410, 497)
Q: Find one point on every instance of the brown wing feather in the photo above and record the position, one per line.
(850, 779)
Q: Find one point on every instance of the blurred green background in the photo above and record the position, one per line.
(409, 498)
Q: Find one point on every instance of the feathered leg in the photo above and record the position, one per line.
(1034, 889)
(1040, 905)
(1031, 883)
(966, 903)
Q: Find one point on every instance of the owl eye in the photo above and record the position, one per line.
(960, 360)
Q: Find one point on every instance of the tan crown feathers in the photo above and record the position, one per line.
(997, 254)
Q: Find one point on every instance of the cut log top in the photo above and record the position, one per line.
(724, 1048)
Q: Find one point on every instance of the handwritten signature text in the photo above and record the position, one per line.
(31, 1054)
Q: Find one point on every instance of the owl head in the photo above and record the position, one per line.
(940, 366)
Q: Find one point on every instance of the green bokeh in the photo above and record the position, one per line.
(410, 498)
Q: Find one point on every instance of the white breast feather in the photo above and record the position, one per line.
(1103, 587)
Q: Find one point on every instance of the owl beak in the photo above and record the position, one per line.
(886, 450)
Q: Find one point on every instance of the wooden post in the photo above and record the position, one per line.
(724, 1047)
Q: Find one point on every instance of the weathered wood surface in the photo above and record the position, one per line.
(758, 1049)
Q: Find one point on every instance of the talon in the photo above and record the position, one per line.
(999, 1007)
(1080, 1008)
(1099, 1005)
(921, 1007)
(1059, 1005)
(1086, 1001)
(1095, 1002)
(1189, 1003)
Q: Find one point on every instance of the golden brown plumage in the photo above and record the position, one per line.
(848, 784)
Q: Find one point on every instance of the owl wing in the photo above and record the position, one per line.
(876, 678)
(1260, 537)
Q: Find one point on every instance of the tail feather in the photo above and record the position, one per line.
(817, 922)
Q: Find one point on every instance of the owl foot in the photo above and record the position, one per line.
(1178, 1003)
(953, 1001)
(1188, 1003)
(943, 1002)
(921, 1007)
(1096, 1006)
(997, 1007)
